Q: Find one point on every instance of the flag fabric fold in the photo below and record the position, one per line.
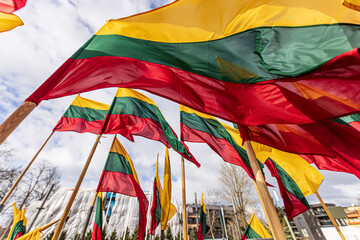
(83, 115)
(97, 229)
(18, 227)
(9, 21)
(132, 113)
(353, 4)
(202, 223)
(255, 229)
(119, 176)
(9, 6)
(238, 63)
(223, 139)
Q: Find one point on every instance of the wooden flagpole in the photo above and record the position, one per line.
(14, 120)
(88, 217)
(2, 203)
(184, 199)
(76, 189)
(263, 192)
(330, 216)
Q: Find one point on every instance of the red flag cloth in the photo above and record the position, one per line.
(9, 6)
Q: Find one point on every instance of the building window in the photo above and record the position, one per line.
(318, 232)
(301, 222)
(304, 232)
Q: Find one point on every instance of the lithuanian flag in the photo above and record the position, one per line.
(251, 62)
(132, 113)
(255, 229)
(83, 115)
(202, 224)
(157, 210)
(97, 229)
(9, 21)
(352, 120)
(223, 139)
(18, 227)
(119, 176)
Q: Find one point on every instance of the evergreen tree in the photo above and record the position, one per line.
(87, 236)
(62, 235)
(168, 233)
(113, 235)
(135, 234)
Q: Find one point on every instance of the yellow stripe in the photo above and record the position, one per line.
(127, 92)
(158, 183)
(165, 199)
(117, 147)
(203, 203)
(87, 103)
(9, 21)
(353, 4)
(256, 225)
(18, 215)
(204, 20)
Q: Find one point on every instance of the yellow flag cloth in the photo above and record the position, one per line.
(167, 209)
(9, 21)
(18, 227)
(255, 229)
(353, 4)
(33, 235)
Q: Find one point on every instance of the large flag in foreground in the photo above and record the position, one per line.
(119, 176)
(18, 227)
(83, 115)
(9, 21)
(231, 59)
(223, 139)
(255, 229)
(202, 224)
(132, 113)
(97, 229)
(9, 6)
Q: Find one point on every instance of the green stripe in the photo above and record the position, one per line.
(269, 52)
(158, 206)
(250, 233)
(350, 118)
(117, 163)
(19, 227)
(290, 184)
(203, 221)
(136, 107)
(88, 114)
(214, 128)
(98, 213)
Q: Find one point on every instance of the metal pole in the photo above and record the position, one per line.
(107, 210)
(284, 215)
(236, 218)
(196, 211)
(42, 205)
(184, 199)
(223, 218)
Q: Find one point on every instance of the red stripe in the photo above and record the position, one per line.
(153, 222)
(355, 125)
(129, 125)
(199, 234)
(222, 147)
(266, 101)
(78, 125)
(96, 234)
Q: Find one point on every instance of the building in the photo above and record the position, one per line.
(353, 216)
(312, 223)
(213, 215)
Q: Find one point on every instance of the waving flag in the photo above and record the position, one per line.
(18, 227)
(202, 224)
(255, 229)
(353, 4)
(231, 59)
(9, 6)
(97, 229)
(83, 115)
(132, 113)
(352, 120)
(119, 176)
(223, 139)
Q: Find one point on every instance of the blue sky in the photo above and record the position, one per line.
(53, 31)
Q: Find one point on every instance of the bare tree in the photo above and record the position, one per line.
(238, 185)
(8, 172)
(212, 197)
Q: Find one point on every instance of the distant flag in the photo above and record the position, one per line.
(352, 120)
(155, 211)
(9, 6)
(202, 224)
(353, 4)
(9, 21)
(223, 139)
(36, 234)
(83, 115)
(119, 176)
(97, 229)
(18, 227)
(132, 113)
(255, 229)
(238, 63)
